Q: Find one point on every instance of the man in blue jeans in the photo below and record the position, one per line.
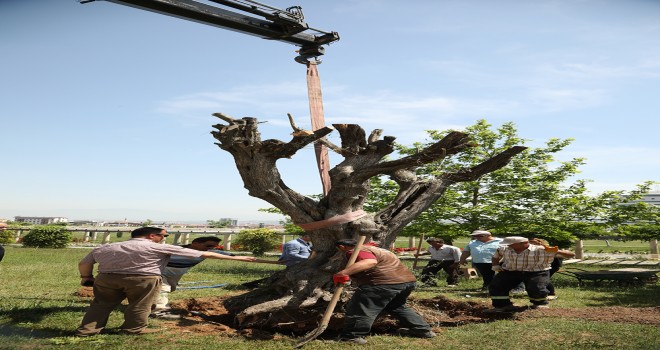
(384, 284)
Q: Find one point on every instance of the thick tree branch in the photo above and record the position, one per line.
(255, 161)
(417, 195)
(451, 144)
(488, 166)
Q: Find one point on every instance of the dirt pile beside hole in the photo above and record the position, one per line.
(208, 316)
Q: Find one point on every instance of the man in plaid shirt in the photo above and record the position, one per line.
(517, 261)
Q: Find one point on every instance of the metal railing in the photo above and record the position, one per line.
(181, 235)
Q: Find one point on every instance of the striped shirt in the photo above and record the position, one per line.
(137, 256)
(534, 258)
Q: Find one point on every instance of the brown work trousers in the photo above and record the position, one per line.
(110, 289)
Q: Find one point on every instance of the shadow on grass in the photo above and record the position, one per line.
(15, 331)
(629, 296)
(38, 313)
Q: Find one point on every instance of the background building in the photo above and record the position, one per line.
(40, 220)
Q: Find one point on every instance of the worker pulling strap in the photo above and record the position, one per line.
(318, 122)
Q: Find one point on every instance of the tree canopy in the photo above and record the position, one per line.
(532, 196)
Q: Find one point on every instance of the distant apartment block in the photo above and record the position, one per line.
(40, 220)
(651, 198)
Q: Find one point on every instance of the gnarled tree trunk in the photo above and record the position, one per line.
(295, 298)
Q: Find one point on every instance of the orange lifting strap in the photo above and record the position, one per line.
(318, 122)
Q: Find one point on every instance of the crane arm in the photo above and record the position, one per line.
(286, 26)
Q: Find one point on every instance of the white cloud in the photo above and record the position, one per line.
(554, 100)
(400, 115)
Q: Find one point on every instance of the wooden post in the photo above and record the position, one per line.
(95, 235)
(654, 249)
(419, 249)
(86, 238)
(106, 238)
(579, 249)
(177, 238)
(411, 242)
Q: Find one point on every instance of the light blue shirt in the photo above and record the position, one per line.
(295, 251)
(482, 252)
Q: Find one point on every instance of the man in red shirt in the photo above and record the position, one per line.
(383, 284)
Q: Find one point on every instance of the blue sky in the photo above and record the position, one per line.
(105, 110)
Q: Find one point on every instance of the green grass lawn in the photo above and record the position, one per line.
(38, 310)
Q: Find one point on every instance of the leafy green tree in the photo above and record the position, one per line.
(148, 222)
(633, 220)
(289, 227)
(7, 236)
(218, 223)
(47, 236)
(258, 240)
(18, 224)
(529, 197)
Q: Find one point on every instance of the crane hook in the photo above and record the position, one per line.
(306, 53)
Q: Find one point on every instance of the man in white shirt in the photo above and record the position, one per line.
(443, 256)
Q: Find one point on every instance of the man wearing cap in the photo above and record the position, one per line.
(383, 285)
(481, 248)
(517, 261)
(443, 256)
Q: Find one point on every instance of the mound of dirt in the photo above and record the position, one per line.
(208, 316)
(84, 292)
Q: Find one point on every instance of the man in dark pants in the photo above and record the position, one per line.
(443, 257)
(517, 261)
(554, 267)
(384, 284)
(482, 247)
(3, 227)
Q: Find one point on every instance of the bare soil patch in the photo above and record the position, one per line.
(208, 316)
(84, 292)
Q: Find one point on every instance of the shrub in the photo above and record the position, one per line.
(7, 237)
(47, 237)
(258, 240)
